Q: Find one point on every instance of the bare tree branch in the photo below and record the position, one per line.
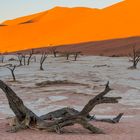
(30, 56)
(135, 57)
(42, 59)
(27, 119)
(20, 57)
(53, 50)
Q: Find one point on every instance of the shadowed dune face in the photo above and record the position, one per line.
(62, 25)
(114, 47)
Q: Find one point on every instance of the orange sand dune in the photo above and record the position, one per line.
(71, 25)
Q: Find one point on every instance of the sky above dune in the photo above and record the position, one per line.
(10, 9)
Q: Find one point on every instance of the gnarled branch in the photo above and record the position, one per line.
(27, 119)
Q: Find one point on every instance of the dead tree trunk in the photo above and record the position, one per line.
(30, 56)
(135, 57)
(67, 54)
(57, 114)
(34, 58)
(64, 112)
(24, 59)
(12, 70)
(76, 55)
(54, 51)
(42, 60)
(2, 58)
(27, 119)
(19, 55)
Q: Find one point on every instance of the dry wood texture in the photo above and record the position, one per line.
(59, 118)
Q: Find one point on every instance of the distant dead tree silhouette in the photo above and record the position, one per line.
(76, 54)
(34, 58)
(30, 56)
(20, 57)
(53, 50)
(135, 57)
(12, 70)
(66, 54)
(42, 59)
(2, 58)
(24, 59)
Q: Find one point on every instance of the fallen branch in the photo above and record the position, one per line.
(12, 69)
(98, 66)
(66, 111)
(58, 82)
(25, 118)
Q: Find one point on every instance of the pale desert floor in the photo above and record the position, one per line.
(87, 80)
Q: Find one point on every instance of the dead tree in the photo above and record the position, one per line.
(76, 54)
(25, 118)
(1, 58)
(67, 55)
(30, 56)
(42, 60)
(12, 70)
(24, 59)
(20, 57)
(135, 57)
(53, 50)
(34, 58)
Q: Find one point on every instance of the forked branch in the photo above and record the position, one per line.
(42, 60)
(27, 119)
(99, 99)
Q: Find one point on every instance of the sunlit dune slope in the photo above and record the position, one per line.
(62, 25)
